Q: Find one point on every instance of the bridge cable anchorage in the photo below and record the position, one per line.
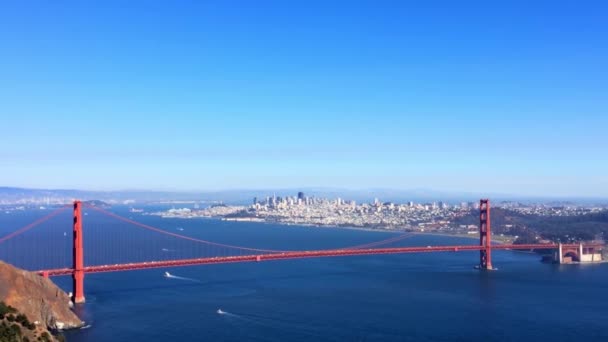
(382, 242)
(158, 230)
(35, 223)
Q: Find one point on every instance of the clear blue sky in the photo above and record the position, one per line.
(478, 96)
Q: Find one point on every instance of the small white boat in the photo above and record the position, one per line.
(219, 311)
(167, 275)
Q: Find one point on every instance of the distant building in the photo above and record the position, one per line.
(301, 196)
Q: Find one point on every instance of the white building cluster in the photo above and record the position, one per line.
(338, 212)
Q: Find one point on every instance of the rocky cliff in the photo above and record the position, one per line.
(36, 297)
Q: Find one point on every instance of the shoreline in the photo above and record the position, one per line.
(304, 225)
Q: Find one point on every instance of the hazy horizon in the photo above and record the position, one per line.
(392, 193)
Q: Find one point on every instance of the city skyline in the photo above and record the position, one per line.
(476, 97)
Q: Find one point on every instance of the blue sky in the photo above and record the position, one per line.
(476, 96)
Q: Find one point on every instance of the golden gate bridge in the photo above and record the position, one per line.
(142, 251)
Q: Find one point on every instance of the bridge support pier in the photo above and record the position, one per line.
(485, 239)
(77, 256)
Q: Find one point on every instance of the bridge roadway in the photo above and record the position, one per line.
(297, 255)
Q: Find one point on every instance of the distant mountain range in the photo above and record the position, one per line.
(242, 196)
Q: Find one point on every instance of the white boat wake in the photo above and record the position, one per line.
(226, 313)
(274, 322)
(171, 276)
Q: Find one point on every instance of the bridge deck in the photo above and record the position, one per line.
(297, 255)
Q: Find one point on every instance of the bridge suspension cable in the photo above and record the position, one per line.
(34, 224)
(158, 230)
(180, 236)
(382, 242)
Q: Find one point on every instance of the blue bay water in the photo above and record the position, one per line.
(411, 297)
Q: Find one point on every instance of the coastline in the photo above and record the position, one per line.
(376, 230)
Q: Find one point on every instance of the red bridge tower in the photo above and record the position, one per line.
(485, 254)
(77, 256)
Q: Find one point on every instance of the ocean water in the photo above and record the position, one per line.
(411, 297)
